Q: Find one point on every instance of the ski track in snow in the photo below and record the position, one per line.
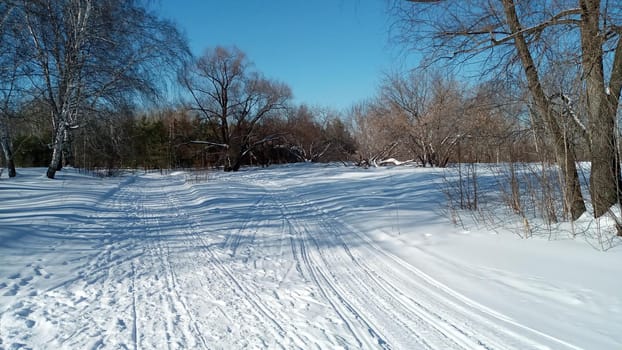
(160, 266)
(376, 295)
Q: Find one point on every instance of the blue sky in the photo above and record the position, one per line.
(331, 52)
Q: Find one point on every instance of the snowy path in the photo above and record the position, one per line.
(241, 262)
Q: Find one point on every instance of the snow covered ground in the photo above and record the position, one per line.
(302, 256)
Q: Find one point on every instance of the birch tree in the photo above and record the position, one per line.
(11, 65)
(8, 74)
(502, 33)
(90, 55)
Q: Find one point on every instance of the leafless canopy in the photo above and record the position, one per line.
(533, 37)
(232, 98)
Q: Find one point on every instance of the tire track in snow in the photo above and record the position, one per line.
(300, 253)
(132, 275)
(158, 253)
(256, 306)
(457, 326)
(180, 321)
(314, 278)
(134, 313)
(310, 262)
(441, 328)
(103, 274)
(233, 240)
(457, 301)
(380, 295)
(88, 311)
(487, 335)
(335, 295)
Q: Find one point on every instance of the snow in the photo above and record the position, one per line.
(299, 256)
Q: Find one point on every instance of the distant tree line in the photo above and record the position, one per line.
(432, 119)
(178, 138)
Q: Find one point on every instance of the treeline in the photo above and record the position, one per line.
(176, 138)
(428, 119)
(433, 119)
(424, 119)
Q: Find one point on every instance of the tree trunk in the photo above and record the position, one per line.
(8, 151)
(605, 173)
(235, 166)
(564, 154)
(234, 158)
(573, 199)
(68, 158)
(8, 156)
(57, 151)
(601, 108)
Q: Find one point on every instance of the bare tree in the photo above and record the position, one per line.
(226, 92)
(11, 64)
(564, 151)
(317, 134)
(496, 131)
(304, 134)
(380, 133)
(6, 112)
(601, 46)
(503, 32)
(88, 55)
(339, 135)
(434, 108)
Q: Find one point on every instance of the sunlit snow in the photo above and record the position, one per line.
(302, 256)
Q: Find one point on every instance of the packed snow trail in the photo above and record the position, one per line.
(235, 262)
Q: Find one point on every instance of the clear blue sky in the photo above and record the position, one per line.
(331, 52)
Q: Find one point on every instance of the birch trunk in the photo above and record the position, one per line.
(68, 158)
(57, 151)
(5, 140)
(8, 156)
